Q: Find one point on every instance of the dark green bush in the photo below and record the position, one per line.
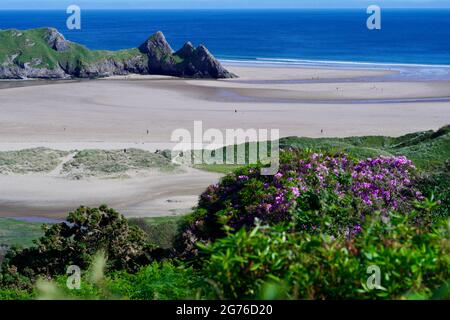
(74, 242)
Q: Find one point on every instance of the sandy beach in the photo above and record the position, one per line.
(152, 194)
(142, 112)
(118, 112)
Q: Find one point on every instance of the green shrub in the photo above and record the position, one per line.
(75, 242)
(436, 185)
(157, 281)
(160, 231)
(300, 265)
(308, 188)
(14, 294)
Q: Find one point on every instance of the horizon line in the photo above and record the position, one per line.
(224, 9)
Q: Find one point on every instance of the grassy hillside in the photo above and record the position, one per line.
(26, 46)
(428, 149)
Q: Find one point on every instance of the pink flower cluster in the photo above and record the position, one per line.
(382, 183)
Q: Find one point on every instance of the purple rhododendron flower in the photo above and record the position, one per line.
(375, 184)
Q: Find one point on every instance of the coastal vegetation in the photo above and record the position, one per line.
(336, 209)
(428, 149)
(84, 163)
(113, 163)
(36, 160)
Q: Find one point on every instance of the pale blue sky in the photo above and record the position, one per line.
(216, 4)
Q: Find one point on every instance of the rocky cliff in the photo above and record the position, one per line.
(46, 54)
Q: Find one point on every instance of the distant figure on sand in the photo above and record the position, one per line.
(321, 131)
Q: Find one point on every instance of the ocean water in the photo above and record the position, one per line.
(283, 36)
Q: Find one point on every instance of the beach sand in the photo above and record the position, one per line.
(152, 194)
(116, 113)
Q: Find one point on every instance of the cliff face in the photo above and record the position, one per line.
(46, 54)
(187, 62)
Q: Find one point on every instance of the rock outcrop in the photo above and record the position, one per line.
(201, 63)
(186, 62)
(56, 40)
(46, 54)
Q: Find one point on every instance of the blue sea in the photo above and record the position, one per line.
(407, 36)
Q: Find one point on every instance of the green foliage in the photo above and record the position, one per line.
(92, 284)
(157, 281)
(14, 294)
(436, 185)
(219, 168)
(87, 231)
(279, 263)
(307, 189)
(160, 231)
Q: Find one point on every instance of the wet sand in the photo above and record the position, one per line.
(116, 113)
(152, 194)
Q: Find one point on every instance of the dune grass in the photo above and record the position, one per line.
(113, 163)
(30, 160)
